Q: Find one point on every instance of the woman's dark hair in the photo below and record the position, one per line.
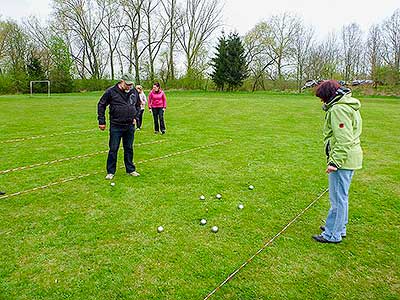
(157, 84)
(327, 89)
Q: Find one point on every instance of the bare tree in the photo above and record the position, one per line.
(391, 33)
(132, 10)
(283, 29)
(112, 29)
(80, 20)
(373, 51)
(40, 35)
(155, 35)
(37, 31)
(171, 12)
(314, 68)
(352, 47)
(259, 54)
(198, 21)
(323, 60)
(330, 48)
(302, 43)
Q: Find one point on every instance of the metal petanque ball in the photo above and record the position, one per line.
(218, 196)
(202, 197)
(240, 206)
(203, 221)
(251, 187)
(160, 229)
(214, 229)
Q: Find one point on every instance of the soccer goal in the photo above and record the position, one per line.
(40, 81)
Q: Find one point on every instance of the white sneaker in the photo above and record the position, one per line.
(134, 173)
(109, 176)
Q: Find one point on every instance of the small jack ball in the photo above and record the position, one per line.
(251, 187)
(202, 197)
(214, 229)
(240, 206)
(203, 221)
(218, 196)
(112, 183)
(160, 229)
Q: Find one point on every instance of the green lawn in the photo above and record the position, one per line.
(84, 239)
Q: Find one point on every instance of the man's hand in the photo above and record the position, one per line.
(102, 127)
(331, 169)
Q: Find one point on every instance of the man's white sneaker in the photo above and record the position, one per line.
(109, 176)
(134, 173)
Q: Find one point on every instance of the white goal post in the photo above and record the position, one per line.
(37, 81)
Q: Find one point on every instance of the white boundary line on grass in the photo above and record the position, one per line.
(97, 172)
(65, 159)
(263, 247)
(44, 136)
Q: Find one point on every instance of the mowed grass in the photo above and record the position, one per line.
(84, 239)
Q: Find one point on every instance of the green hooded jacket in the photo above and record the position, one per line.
(342, 130)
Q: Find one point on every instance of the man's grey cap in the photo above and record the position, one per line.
(128, 78)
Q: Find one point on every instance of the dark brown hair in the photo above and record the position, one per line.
(157, 84)
(327, 89)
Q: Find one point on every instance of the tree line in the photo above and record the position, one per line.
(283, 47)
(172, 41)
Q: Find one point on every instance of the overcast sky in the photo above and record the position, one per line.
(242, 15)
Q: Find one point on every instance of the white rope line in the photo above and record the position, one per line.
(122, 166)
(265, 246)
(66, 159)
(45, 136)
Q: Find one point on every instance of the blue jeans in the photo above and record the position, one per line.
(339, 185)
(127, 134)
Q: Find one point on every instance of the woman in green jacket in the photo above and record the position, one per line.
(342, 130)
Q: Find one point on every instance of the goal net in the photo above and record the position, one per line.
(32, 83)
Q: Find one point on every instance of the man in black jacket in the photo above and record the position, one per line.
(124, 106)
(2, 193)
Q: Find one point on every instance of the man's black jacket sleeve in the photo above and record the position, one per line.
(101, 107)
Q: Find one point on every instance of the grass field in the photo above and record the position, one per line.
(83, 239)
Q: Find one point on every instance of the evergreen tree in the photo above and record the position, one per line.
(237, 67)
(35, 69)
(36, 72)
(219, 63)
(229, 63)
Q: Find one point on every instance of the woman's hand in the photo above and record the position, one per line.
(331, 169)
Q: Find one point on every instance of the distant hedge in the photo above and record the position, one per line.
(10, 85)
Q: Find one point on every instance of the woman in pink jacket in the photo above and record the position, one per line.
(157, 106)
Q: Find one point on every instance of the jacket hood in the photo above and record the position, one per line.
(342, 96)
